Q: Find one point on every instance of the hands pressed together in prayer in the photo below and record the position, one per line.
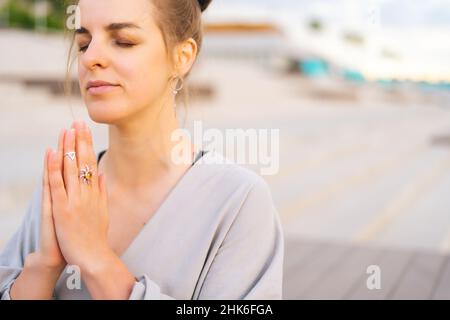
(74, 224)
(74, 209)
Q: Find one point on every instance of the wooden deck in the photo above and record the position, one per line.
(320, 270)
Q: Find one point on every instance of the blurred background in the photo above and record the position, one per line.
(359, 91)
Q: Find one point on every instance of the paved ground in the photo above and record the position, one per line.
(323, 270)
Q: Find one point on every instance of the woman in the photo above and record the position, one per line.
(132, 222)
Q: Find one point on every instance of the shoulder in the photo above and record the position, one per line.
(231, 175)
(242, 190)
(250, 219)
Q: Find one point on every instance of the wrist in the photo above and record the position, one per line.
(107, 277)
(35, 262)
(98, 265)
(36, 281)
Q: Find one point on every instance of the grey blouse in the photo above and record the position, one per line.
(216, 236)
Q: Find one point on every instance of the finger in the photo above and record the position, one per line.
(57, 190)
(61, 136)
(70, 166)
(55, 169)
(48, 232)
(85, 152)
(46, 199)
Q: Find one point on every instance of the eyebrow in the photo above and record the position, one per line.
(111, 28)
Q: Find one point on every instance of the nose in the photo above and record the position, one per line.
(95, 56)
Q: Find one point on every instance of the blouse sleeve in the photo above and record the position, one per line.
(146, 289)
(22, 243)
(248, 263)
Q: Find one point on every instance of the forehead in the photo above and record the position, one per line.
(105, 12)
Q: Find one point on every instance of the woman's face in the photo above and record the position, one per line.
(122, 64)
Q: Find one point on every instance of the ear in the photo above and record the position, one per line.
(185, 54)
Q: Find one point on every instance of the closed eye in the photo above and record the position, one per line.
(124, 44)
(83, 48)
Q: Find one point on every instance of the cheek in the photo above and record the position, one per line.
(144, 76)
(82, 73)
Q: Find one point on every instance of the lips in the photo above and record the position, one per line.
(99, 86)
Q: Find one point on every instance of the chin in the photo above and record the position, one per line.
(106, 112)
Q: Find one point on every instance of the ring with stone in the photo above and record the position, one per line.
(86, 174)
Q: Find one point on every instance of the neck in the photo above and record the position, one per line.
(140, 150)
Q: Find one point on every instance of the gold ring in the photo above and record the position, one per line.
(86, 174)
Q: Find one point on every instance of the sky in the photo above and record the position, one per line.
(393, 12)
(417, 30)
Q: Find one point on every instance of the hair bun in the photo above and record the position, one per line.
(204, 4)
